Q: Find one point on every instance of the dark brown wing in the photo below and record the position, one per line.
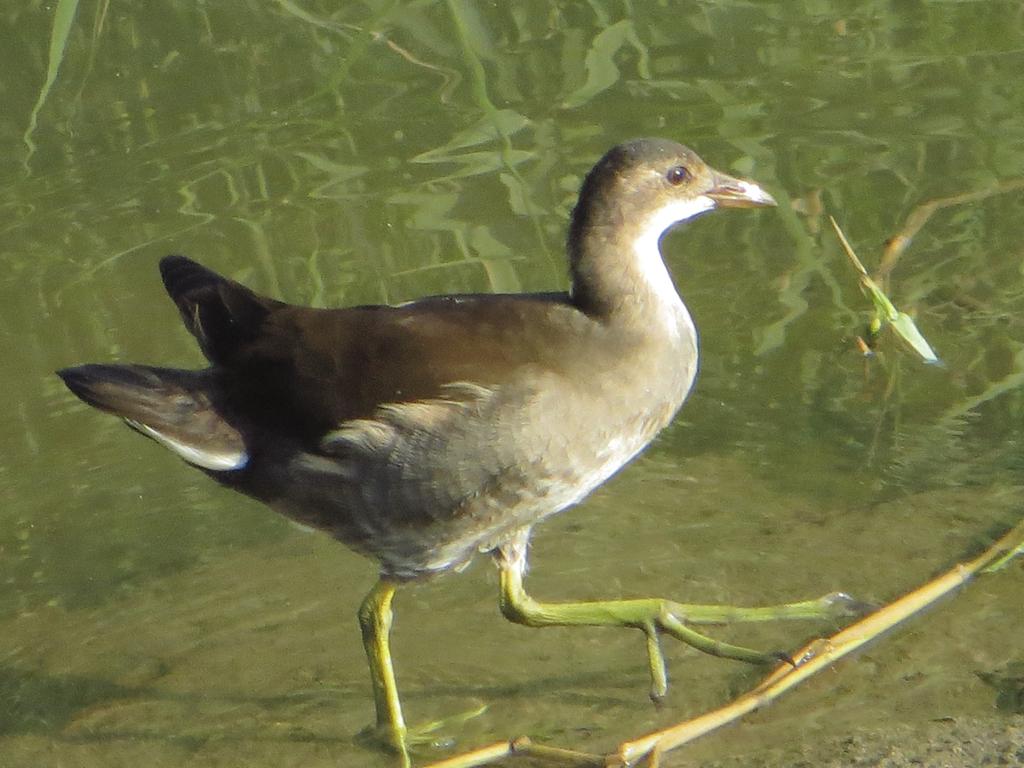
(302, 371)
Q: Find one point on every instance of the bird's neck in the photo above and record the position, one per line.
(619, 277)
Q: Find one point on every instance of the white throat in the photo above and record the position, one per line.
(651, 266)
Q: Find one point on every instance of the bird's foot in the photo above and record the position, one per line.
(425, 737)
(658, 617)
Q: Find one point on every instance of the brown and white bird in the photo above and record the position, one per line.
(424, 433)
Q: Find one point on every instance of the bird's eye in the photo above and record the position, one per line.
(677, 175)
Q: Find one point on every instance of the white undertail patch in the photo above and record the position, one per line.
(215, 461)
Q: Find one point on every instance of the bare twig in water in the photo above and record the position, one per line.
(899, 242)
(523, 747)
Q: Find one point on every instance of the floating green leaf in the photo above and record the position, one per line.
(885, 310)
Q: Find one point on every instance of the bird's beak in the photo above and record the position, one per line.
(730, 192)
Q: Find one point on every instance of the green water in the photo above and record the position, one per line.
(390, 150)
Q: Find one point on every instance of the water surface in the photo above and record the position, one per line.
(391, 150)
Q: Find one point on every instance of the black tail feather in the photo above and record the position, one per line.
(220, 313)
(171, 406)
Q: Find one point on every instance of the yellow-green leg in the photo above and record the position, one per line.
(653, 616)
(375, 617)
